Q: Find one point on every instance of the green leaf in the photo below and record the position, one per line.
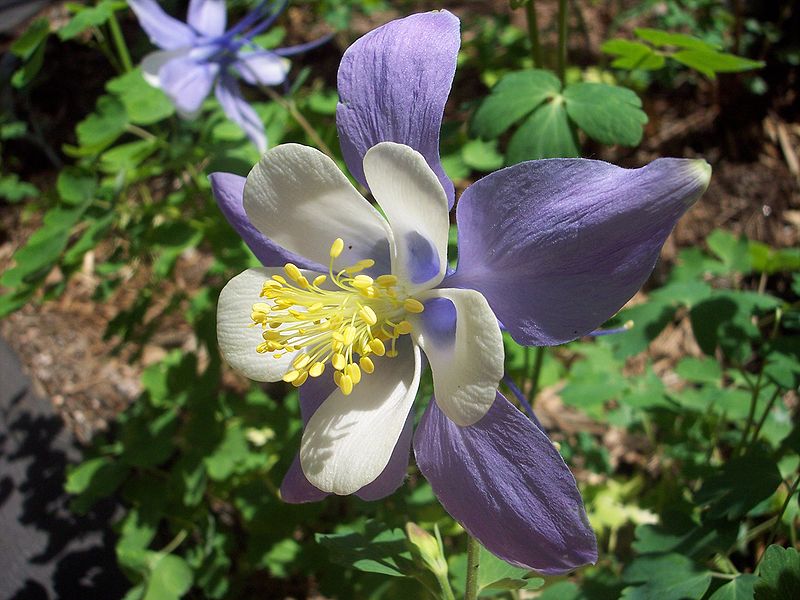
(633, 55)
(665, 38)
(89, 239)
(771, 260)
(93, 480)
(482, 156)
(127, 157)
(666, 577)
(86, 17)
(76, 185)
(14, 190)
(373, 548)
(144, 103)
(699, 370)
(778, 574)
(102, 127)
(169, 579)
(740, 485)
(609, 114)
(710, 63)
(733, 251)
(740, 588)
(497, 574)
(29, 42)
(232, 451)
(514, 96)
(547, 133)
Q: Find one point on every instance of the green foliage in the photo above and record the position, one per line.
(552, 116)
(656, 46)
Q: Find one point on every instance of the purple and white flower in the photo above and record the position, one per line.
(199, 55)
(549, 248)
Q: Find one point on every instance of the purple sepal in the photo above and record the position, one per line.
(239, 111)
(296, 489)
(207, 17)
(187, 81)
(164, 31)
(503, 480)
(393, 86)
(558, 246)
(229, 192)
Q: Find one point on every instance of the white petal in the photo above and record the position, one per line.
(237, 340)
(348, 442)
(298, 198)
(152, 63)
(466, 356)
(416, 205)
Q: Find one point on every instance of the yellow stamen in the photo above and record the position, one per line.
(343, 325)
(366, 364)
(413, 305)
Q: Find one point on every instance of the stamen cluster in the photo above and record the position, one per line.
(344, 323)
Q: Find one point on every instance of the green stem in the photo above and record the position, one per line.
(291, 107)
(750, 415)
(774, 531)
(535, 374)
(119, 43)
(533, 34)
(473, 566)
(563, 10)
(764, 416)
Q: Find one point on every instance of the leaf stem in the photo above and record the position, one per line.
(291, 107)
(764, 416)
(778, 518)
(473, 566)
(750, 415)
(119, 43)
(535, 374)
(533, 34)
(563, 9)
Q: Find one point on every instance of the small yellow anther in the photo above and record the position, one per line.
(403, 327)
(301, 361)
(354, 372)
(317, 369)
(377, 347)
(291, 376)
(367, 315)
(292, 271)
(386, 280)
(391, 353)
(349, 335)
(279, 279)
(360, 266)
(346, 385)
(319, 280)
(413, 305)
(301, 379)
(338, 361)
(361, 282)
(337, 247)
(366, 364)
(314, 307)
(337, 377)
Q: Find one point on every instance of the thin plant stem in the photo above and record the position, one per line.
(119, 43)
(764, 416)
(473, 566)
(291, 107)
(536, 372)
(533, 34)
(563, 10)
(774, 531)
(750, 415)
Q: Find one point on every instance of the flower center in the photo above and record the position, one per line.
(341, 326)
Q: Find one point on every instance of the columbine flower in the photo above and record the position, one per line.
(199, 54)
(550, 248)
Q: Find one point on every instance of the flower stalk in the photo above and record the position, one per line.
(473, 567)
(563, 11)
(533, 34)
(119, 43)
